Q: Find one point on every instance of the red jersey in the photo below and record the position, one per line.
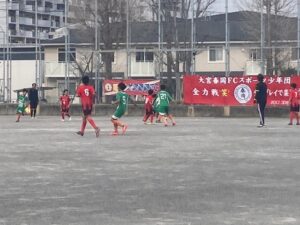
(294, 97)
(86, 93)
(149, 102)
(65, 101)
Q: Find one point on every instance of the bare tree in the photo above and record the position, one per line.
(175, 16)
(277, 27)
(111, 22)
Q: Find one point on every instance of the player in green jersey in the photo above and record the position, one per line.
(22, 104)
(122, 102)
(163, 100)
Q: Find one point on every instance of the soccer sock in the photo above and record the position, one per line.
(165, 120)
(171, 118)
(145, 118)
(151, 118)
(31, 112)
(297, 117)
(114, 122)
(83, 125)
(63, 115)
(18, 117)
(291, 117)
(92, 122)
(34, 112)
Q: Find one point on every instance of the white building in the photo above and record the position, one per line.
(18, 19)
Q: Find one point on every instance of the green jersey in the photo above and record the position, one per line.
(21, 103)
(163, 98)
(121, 109)
(122, 97)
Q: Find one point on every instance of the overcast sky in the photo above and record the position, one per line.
(219, 6)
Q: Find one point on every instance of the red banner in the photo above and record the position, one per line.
(134, 87)
(235, 91)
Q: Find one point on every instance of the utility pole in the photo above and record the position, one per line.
(97, 53)
(262, 38)
(159, 39)
(193, 39)
(227, 50)
(298, 43)
(36, 43)
(8, 78)
(66, 46)
(128, 60)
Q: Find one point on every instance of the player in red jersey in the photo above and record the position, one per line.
(294, 104)
(86, 93)
(65, 102)
(149, 113)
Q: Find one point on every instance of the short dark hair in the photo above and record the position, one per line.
(65, 90)
(293, 85)
(122, 86)
(150, 92)
(85, 79)
(162, 87)
(24, 90)
(260, 77)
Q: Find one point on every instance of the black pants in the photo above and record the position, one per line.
(261, 110)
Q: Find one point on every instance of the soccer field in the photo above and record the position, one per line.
(203, 171)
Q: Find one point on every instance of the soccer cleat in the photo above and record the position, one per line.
(173, 124)
(17, 121)
(79, 133)
(290, 124)
(124, 129)
(297, 123)
(260, 125)
(115, 133)
(62, 120)
(97, 131)
(70, 118)
(166, 124)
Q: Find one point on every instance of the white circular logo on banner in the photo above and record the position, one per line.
(108, 87)
(243, 93)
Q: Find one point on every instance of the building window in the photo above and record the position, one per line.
(144, 57)
(216, 54)
(254, 55)
(61, 88)
(61, 55)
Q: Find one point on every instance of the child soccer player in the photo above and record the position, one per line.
(22, 104)
(163, 99)
(65, 102)
(294, 104)
(122, 101)
(260, 98)
(86, 93)
(149, 108)
(155, 108)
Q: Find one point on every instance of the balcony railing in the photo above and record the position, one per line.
(44, 23)
(56, 69)
(13, 6)
(26, 21)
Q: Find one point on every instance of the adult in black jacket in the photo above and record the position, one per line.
(33, 99)
(261, 98)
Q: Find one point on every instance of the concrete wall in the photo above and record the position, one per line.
(177, 110)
